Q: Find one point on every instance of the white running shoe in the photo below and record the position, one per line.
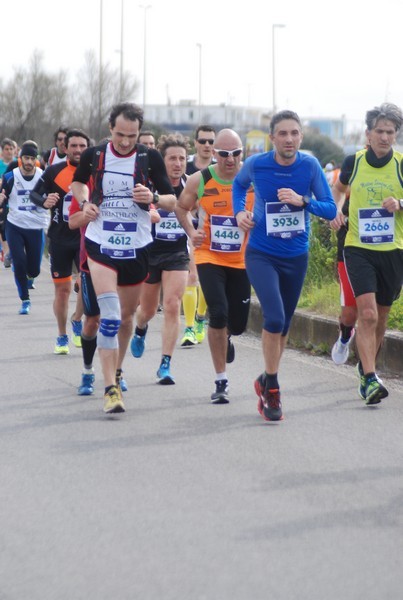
(341, 351)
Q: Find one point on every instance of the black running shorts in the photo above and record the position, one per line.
(176, 261)
(130, 271)
(374, 271)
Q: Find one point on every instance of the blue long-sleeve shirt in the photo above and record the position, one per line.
(305, 176)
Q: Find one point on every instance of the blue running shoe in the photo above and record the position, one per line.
(25, 307)
(164, 376)
(31, 283)
(87, 384)
(62, 345)
(138, 344)
(77, 327)
(120, 381)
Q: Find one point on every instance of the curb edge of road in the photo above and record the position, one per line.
(317, 333)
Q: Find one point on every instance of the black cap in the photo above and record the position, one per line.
(29, 150)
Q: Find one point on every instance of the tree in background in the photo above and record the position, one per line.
(323, 148)
(95, 93)
(33, 103)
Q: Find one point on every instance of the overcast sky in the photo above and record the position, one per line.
(331, 59)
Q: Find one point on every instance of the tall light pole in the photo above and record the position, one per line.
(100, 67)
(273, 28)
(145, 7)
(121, 51)
(200, 79)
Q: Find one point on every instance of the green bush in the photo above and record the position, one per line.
(322, 266)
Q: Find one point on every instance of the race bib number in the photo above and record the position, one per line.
(118, 239)
(376, 226)
(66, 206)
(225, 234)
(284, 220)
(168, 228)
(23, 201)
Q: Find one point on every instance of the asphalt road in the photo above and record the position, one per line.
(177, 499)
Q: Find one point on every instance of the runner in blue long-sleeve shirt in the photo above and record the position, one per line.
(288, 186)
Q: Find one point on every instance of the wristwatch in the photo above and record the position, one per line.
(156, 198)
(81, 204)
(305, 201)
(401, 203)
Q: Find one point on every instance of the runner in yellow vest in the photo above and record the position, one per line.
(373, 250)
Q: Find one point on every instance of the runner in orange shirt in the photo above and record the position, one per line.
(219, 252)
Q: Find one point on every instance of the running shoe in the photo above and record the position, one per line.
(77, 327)
(230, 351)
(86, 387)
(113, 401)
(7, 262)
(361, 387)
(31, 283)
(341, 350)
(189, 338)
(164, 376)
(25, 307)
(269, 403)
(62, 345)
(374, 391)
(220, 396)
(200, 329)
(138, 344)
(120, 382)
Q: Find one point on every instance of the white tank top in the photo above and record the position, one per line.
(121, 226)
(22, 212)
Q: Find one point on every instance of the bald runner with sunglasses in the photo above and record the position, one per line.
(219, 251)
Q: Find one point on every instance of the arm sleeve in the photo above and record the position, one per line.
(323, 205)
(83, 172)
(240, 186)
(42, 189)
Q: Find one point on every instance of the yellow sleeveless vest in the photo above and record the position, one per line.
(369, 186)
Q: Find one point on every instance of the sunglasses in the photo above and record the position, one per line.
(63, 139)
(204, 141)
(227, 153)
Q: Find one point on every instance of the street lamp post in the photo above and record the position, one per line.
(200, 79)
(273, 27)
(121, 51)
(100, 67)
(145, 7)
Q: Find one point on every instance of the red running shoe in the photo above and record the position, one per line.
(269, 403)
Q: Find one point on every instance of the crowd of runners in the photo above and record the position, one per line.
(136, 225)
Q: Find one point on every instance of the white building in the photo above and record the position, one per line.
(187, 115)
